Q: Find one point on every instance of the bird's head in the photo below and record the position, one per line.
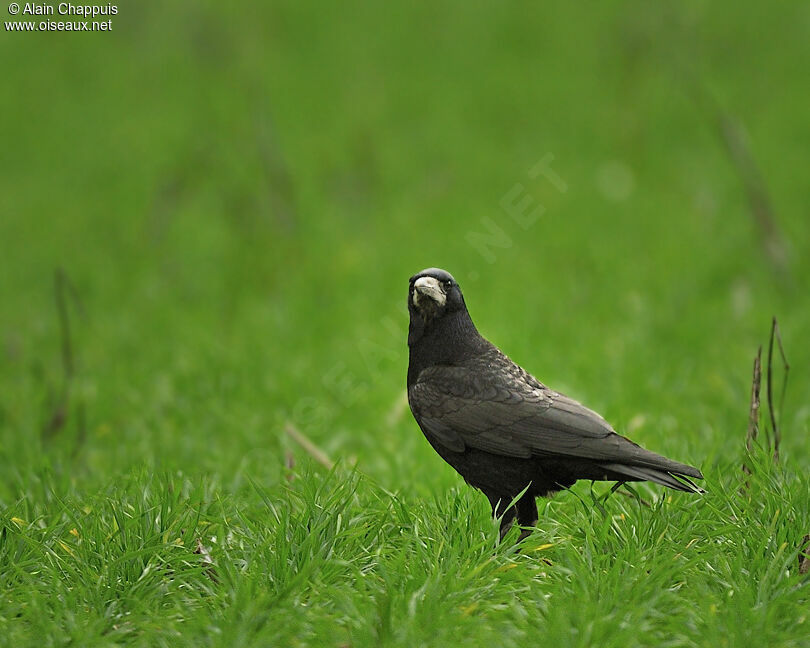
(440, 329)
(432, 295)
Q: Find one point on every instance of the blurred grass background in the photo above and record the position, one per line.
(238, 195)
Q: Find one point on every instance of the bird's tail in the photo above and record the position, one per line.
(671, 479)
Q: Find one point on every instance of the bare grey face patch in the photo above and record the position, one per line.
(428, 288)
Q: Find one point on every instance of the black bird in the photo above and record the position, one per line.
(501, 428)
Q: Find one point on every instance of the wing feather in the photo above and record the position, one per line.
(500, 409)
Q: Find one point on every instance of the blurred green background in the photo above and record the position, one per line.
(239, 193)
(225, 203)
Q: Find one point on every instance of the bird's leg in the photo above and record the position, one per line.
(506, 523)
(500, 510)
(526, 514)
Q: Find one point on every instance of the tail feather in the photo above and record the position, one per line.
(672, 480)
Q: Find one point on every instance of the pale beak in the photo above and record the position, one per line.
(429, 287)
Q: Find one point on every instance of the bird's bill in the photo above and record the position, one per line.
(428, 287)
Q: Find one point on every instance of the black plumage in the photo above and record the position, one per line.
(497, 425)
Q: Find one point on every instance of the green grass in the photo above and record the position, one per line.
(334, 559)
(238, 197)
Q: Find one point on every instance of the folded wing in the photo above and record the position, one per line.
(496, 411)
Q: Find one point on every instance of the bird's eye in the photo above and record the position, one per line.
(447, 283)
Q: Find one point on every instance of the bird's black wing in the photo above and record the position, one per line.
(499, 408)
